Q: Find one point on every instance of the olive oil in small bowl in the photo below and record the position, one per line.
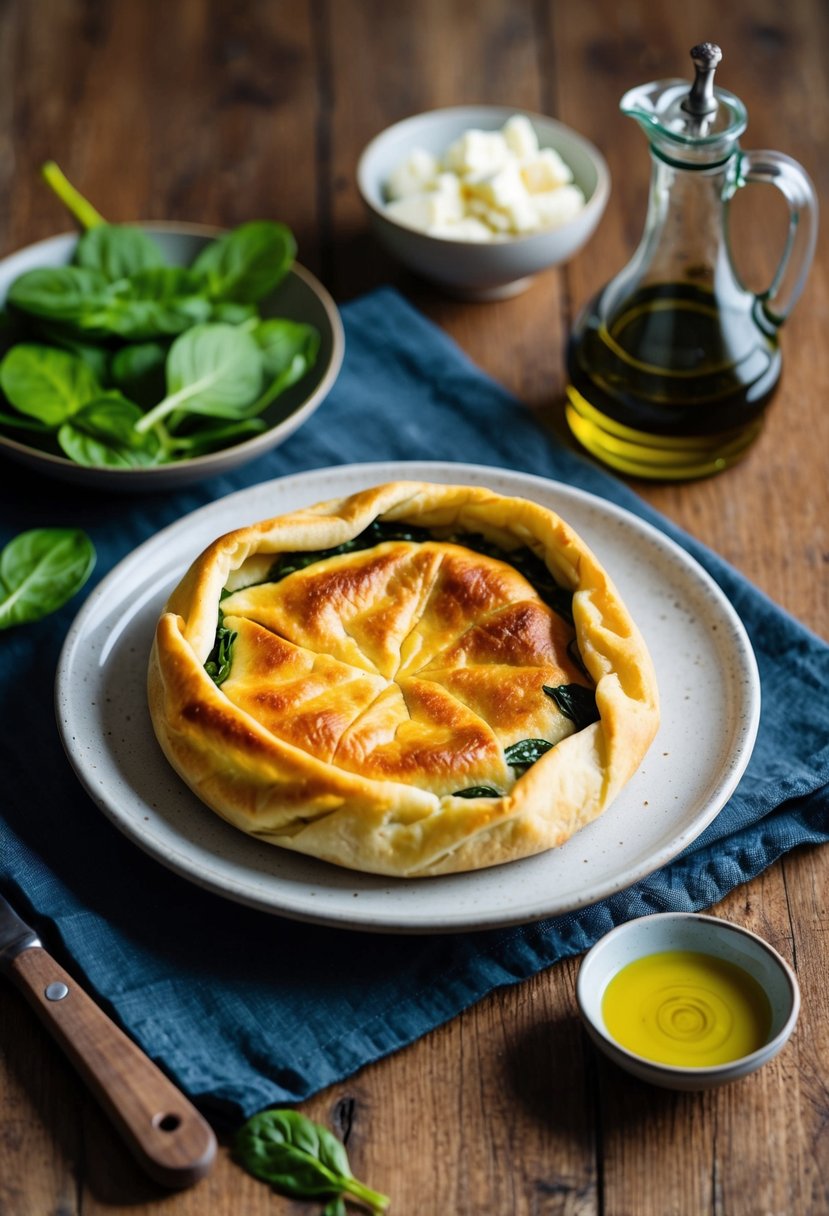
(687, 1001)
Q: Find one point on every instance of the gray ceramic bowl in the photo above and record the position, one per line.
(701, 934)
(299, 296)
(480, 270)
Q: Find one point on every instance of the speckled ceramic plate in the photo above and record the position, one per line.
(710, 709)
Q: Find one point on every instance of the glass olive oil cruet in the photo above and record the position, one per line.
(671, 366)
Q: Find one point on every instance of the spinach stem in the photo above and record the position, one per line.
(171, 403)
(83, 211)
(372, 1199)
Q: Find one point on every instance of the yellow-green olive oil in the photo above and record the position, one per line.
(673, 384)
(685, 1008)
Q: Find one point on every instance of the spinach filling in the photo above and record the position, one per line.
(573, 700)
(218, 662)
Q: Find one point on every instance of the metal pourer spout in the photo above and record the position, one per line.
(701, 102)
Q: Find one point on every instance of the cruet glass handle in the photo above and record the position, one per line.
(792, 180)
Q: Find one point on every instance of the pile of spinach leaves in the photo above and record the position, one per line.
(119, 360)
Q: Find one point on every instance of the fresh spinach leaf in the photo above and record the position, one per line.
(233, 313)
(117, 251)
(576, 703)
(40, 570)
(523, 754)
(24, 424)
(375, 534)
(138, 370)
(102, 434)
(246, 265)
(478, 791)
(59, 293)
(289, 351)
(301, 1159)
(209, 438)
(157, 302)
(211, 369)
(218, 662)
(93, 354)
(46, 383)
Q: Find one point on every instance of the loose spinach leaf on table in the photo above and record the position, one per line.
(40, 570)
(576, 703)
(246, 265)
(301, 1159)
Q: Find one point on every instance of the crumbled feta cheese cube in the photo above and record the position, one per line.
(520, 136)
(413, 176)
(499, 189)
(476, 153)
(424, 210)
(558, 206)
(545, 171)
(449, 185)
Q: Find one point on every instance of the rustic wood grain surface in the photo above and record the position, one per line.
(226, 110)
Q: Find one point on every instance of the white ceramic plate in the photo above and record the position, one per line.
(299, 296)
(710, 708)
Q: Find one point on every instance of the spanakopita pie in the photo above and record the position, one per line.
(415, 680)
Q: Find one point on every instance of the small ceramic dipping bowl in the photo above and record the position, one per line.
(480, 270)
(686, 932)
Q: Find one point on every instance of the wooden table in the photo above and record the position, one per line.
(223, 111)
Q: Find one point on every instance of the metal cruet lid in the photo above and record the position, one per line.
(702, 119)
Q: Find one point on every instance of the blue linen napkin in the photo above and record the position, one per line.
(246, 1009)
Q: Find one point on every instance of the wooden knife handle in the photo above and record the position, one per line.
(167, 1135)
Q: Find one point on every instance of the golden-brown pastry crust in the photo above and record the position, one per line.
(369, 688)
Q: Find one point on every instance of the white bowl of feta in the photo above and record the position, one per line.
(479, 199)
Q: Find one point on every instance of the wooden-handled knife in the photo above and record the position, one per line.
(166, 1134)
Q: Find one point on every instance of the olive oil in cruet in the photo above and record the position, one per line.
(672, 365)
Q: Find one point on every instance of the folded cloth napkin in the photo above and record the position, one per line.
(246, 1009)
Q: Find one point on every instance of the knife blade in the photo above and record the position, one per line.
(166, 1134)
